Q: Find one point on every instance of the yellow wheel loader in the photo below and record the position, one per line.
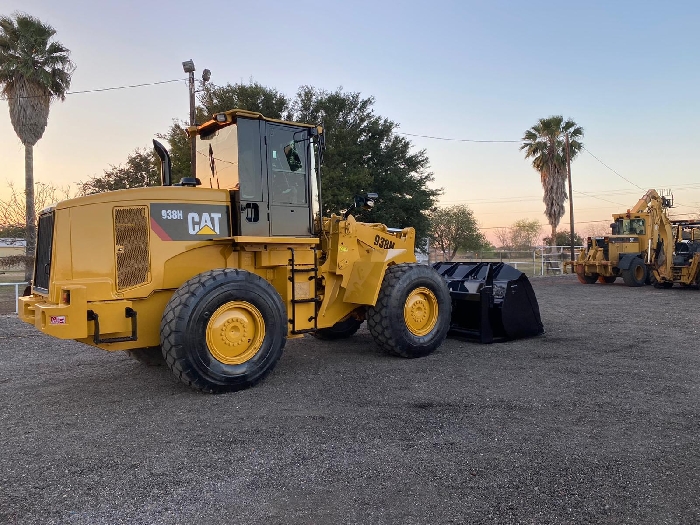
(213, 274)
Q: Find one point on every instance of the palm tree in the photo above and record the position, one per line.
(545, 143)
(34, 71)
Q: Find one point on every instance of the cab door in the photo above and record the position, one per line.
(254, 219)
(288, 180)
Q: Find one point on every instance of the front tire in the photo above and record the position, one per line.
(636, 274)
(412, 314)
(223, 330)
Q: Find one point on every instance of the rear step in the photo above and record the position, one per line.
(490, 301)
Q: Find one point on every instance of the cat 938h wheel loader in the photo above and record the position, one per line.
(214, 276)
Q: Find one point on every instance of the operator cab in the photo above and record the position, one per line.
(628, 227)
(270, 168)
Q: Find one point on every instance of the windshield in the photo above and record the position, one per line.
(630, 227)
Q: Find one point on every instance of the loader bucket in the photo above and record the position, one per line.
(490, 301)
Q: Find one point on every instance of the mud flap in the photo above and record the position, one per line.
(490, 301)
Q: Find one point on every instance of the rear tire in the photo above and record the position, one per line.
(151, 356)
(223, 330)
(340, 330)
(413, 311)
(636, 274)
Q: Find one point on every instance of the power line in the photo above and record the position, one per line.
(615, 172)
(457, 140)
(99, 90)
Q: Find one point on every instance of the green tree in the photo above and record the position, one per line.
(521, 235)
(455, 228)
(179, 150)
(363, 153)
(34, 71)
(142, 168)
(252, 97)
(545, 143)
(564, 239)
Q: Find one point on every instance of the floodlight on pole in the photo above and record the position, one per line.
(188, 66)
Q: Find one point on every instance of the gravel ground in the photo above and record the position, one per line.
(597, 421)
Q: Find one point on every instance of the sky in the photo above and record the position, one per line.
(626, 71)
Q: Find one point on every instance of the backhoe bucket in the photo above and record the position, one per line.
(490, 301)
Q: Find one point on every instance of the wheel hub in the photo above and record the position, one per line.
(235, 332)
(420, 311)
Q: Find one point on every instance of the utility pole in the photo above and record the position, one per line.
(571, 196)
(188, 67)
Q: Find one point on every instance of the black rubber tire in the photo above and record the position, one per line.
(184, 324)
(150, 356)
(587, 279)
(636, 274)
(340, 330)
(386, 320)
(607, 280)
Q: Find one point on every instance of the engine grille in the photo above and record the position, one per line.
(131, 237)
(42, 262)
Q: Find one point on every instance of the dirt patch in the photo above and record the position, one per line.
(597, 421)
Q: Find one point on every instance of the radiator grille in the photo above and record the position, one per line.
(44, 241)
(131, 237)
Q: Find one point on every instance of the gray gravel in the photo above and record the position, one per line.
(597, 421)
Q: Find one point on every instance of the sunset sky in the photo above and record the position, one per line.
(627, 72)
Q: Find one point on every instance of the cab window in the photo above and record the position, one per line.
(287, 157)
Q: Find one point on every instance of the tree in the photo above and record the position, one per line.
(179, 150)
(142, 168)
(252, 97)
(521, 235)
(363, 153)
(13, 213)
(545, 144)
(597, 229)
(454, 228)
(564, 239)
(35, 70)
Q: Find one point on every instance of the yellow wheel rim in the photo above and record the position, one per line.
(420, 312)
(235, 332)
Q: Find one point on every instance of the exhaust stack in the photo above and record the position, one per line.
(165, 163)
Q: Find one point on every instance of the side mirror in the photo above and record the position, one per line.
(364, 201)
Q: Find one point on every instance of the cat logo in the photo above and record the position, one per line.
(204, 224)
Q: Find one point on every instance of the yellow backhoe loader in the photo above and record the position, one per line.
(213, 274)
(676, 255)
(629, 251)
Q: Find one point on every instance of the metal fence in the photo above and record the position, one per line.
(16, 285)
(538, 261)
